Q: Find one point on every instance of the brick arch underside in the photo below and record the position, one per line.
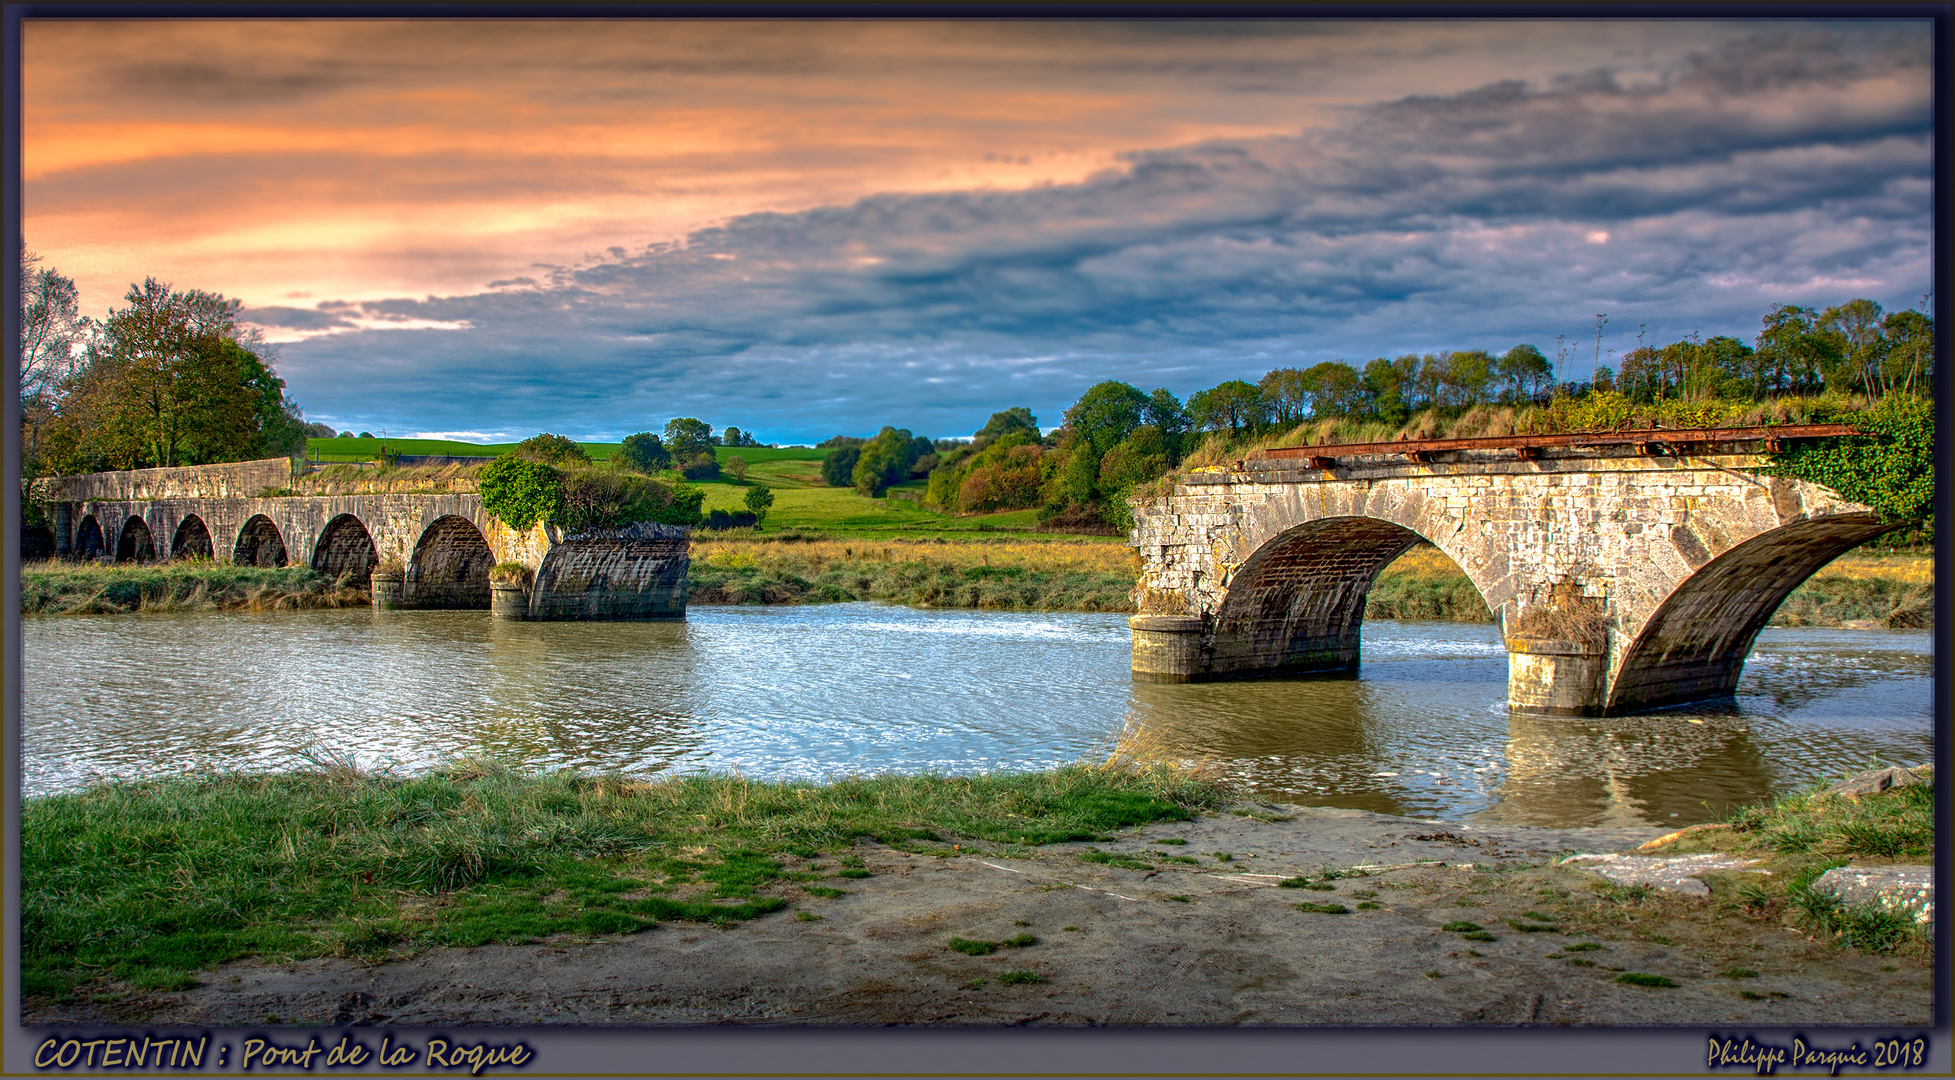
(1694, 647)
(192, 540)
(136, 544)
(450, 568)
(88, 538)
(259, 544)
(1297, 604)
(346, 547)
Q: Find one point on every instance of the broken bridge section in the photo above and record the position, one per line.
(1628, 571)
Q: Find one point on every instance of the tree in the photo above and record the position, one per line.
(759, 498)
(687, 438)
(1106, 414)
(838, 468)
(169, 381)
(1235, 403)
(644, 452)
(1165, 413)
(737, 438)
(52, 333)
(1524, 374)
(1016, 418)
(1287, 391)
(320, 431)
(737, 465)
(1793, 351)
(552, 450)
(886, 460)
(1330, 390)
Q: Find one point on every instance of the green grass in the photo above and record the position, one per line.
(1108, 858)
(187, 585)
(150, 882)
(1641, 978)
(918, 578)
(1324, 909)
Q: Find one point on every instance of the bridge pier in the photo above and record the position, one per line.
(1622, 580)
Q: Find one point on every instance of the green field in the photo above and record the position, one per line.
(801, 501)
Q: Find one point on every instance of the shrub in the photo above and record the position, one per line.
(521, 492)
(703, 466)
(595, 498)
(552, 450)
(509, 573)
(644, 452)
(737, 465)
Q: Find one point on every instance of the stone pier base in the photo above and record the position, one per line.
(1556, 677)
(1167, 648)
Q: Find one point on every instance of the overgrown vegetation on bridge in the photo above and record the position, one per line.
(149, 882)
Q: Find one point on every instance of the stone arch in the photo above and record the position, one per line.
(135, 544)
(259, 543)
(1296, 605)
(345, 546)
(192, 540)
(450, 567)
(1693, 647)
(88, 538)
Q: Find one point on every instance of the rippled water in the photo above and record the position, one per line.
(829, 690)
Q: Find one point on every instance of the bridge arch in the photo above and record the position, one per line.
(346, 547)
(1694, 645)
(192, 540)
(1296, 605)
(259, 543)
(135, 544)
(88, 538)
(450, 566)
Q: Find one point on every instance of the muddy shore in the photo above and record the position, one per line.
(1190, 940)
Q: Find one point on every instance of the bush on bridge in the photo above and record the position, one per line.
(1890, 468)
(601, 498)
(521, 492)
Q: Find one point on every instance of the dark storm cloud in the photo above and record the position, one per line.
(1783, 168)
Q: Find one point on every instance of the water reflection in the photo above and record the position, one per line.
(819, 692)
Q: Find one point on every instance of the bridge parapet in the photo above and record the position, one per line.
(1665, 566)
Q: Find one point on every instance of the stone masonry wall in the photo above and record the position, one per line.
(231, 479)
(1619, 531)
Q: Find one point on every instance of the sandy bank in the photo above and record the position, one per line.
(1182, 942)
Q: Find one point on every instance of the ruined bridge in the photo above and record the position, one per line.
(445, 544)
(1627, 571)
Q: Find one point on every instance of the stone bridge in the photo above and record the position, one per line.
(445, 544)
(1627, 571)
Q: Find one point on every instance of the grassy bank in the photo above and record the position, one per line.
(1017, 574)
(190, 585)
(148, 882)
(1799, 837)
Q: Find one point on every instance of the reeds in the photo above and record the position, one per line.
(185, 585)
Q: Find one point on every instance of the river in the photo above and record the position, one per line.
(823, 691)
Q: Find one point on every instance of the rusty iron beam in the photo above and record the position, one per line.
(1648, 440)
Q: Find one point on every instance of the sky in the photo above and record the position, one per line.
(483, 229)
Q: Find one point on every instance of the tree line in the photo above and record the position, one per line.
(1116, 437)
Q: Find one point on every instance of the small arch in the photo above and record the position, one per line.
(346, 547)
(192, 540)
(259, 543)
(1694, 647)
(88, 539)
(1297, 604)
(136, 544)
(450, 567)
